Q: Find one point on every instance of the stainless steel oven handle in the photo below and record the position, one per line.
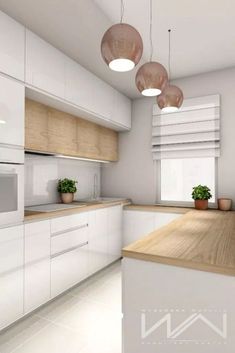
(69, 230)
(69, 250)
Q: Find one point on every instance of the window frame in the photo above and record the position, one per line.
(189, 204)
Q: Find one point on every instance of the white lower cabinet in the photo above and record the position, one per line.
(98, 240)
(37, 265)
(137, 224)
(114, 233)
(11, 274)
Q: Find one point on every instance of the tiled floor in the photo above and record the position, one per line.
(85, 320)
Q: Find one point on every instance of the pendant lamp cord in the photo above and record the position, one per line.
(122, 10)
(150, 28)
(169, 54)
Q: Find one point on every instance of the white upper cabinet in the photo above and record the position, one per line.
(79, 85)
(121, 110)
(103, 98)
(45, 66)
(12, 39)
(11, 112)
(11, 274)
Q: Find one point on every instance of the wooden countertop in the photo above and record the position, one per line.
(200, 240)
(157, 208)
(37, 216)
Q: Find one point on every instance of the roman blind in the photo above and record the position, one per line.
(193, 131)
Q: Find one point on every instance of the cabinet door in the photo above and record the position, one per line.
(103, 98)
(79, 85)
(98, 240)
(161, 219)
(11, 112)
(68, 269)
(45, 66)
(121, 110)
(114, 233)
(37, 264)
(136, 225)
(11, 274)
(12, 39)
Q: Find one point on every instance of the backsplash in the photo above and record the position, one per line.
(42, 174)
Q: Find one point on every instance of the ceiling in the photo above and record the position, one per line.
(203, 32)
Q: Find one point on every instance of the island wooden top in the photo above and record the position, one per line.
(200, 240)
(37, 216)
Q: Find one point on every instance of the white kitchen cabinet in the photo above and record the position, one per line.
(37, 265)
(98, 240)
(137, 224)
(114, 233)
(79, 85)
(12, 39)
(11, 274)
(121, 113)
(68, 268)
(45, 66)
(69, 251)
(11, 112)
(103, 98)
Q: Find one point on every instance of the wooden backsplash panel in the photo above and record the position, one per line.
(50, 130)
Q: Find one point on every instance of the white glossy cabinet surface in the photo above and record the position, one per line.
(79, 85)
(121, 113)
(68, 269)
(11, 112)
(11, 274)
(98, 240)
(137, 224)
(62, 224)
(45, 66)
(37, 265)
(12, 39)
(103, 98)
(114, 233)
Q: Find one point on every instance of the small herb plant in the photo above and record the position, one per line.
(201, 192)
(67, 186)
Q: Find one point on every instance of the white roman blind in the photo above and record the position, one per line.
(193, 131)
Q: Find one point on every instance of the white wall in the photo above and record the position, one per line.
(133, 176)
(42, 174)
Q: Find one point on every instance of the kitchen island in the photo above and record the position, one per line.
(179, 286)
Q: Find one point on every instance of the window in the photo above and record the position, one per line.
(178, 176)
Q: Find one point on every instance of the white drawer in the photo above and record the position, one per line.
(61, 242)
(61, 224)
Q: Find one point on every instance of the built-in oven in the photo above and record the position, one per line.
(11, 185)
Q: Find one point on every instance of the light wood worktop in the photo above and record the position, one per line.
(157, 208)
(37, 216)
(200, 240)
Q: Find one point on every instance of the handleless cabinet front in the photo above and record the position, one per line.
(45, 66)
(11, 274)
(37, 264)
(12, 53)
(12, 102)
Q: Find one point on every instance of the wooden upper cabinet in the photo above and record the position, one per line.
(51, 131)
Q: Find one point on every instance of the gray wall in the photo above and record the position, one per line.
(134, 175)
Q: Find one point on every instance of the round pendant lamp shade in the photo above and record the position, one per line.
(121, 47)
(171, 99)
(151, 79)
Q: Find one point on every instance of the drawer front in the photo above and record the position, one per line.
(68, 223)
(61, 242)
(68, 269)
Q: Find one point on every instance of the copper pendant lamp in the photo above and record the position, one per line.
(152, 77)
(121, 46)
(171, 99)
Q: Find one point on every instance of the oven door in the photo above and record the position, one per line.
(11, 194)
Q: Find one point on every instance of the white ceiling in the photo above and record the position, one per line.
(203, 32)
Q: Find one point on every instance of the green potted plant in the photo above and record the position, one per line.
(67, 188)
(201, 194)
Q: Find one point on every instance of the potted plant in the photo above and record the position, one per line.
(201, 194)
(67, 188)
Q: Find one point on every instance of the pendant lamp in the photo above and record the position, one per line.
(171, 99)
(152, 77)
(121, 46)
